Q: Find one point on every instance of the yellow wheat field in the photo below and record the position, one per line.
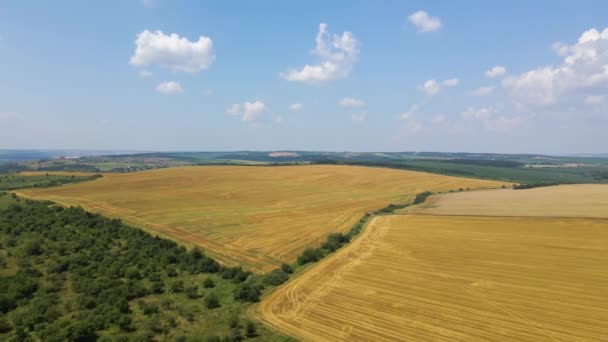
(582, 200)
(454, 278)
(253, 216)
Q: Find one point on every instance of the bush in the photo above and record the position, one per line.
(148, 308)
(191, 292)
(211, 301)
(250, 330)
(286, 268)
(248, 292)
(276, 277)
(177, 286)
(5, 326)
(421, 197)
(310, 255)
(208, 283)
(33, 248)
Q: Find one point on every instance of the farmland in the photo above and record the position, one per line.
(253, 216)
(581, 200)
(453, 270)
(424, 278)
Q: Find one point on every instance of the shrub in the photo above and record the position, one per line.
(286, 268)
(177, 286)
(310, 255)
(208, 283)
(191, 291)
(250, 330)
(211, 301)
(276, 277)
(248, 292)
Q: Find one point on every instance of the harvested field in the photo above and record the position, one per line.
(257, 217)
(454, 278)
(582, 200)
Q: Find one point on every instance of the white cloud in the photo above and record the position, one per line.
(424, 22)
(451, 82)
(359, 117)
(234, 110)
(412, 124)
(496, 71)
(439, 119)
(248, 111)
(172, 51)
(491, 121)
(351, 102)
(296, 106)
(410, 113)
(433, 87)
(338, 55)
(594, 99)
(478, 113)
(169, 88)
(278, 119)
(145, 73)
(583, 71)
(482, 91)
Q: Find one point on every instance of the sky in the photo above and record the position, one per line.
(159, 75)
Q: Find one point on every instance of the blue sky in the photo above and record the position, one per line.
(478, 76)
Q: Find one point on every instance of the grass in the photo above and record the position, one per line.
(428, 278)
(258, 217)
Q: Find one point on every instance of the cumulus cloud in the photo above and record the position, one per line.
(482, 91)
(424, 22)
(338, 55)
(359, 117)
(583, 71)
(172, 51)
(491, 120)
(433, 87)
(351, 102)
(496, 71)
(296, 106)
(169, 88)
(248, 111)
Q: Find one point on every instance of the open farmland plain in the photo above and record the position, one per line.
(459, 278)
(581, 200)
(257, 217)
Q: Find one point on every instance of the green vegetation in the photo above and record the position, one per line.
(499, 170)
(69, 275)
(12, 181)
(523, 168)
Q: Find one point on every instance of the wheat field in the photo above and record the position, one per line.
(580, 200)
(454, 278)
(253, 216)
